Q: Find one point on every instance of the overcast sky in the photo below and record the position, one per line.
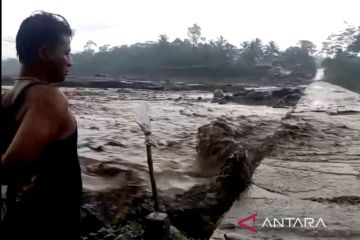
(117, 22)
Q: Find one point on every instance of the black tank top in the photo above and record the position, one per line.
(52, 204)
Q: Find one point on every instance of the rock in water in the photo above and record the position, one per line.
(281, 93)
(115, 143)
(292, 97)
(240, 93)
(256, 95)
(218, 93)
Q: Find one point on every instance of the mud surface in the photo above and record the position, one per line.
(312, 171)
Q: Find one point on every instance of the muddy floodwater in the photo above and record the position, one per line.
(108, 131)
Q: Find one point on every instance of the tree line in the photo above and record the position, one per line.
(193, 56)
(342, 62)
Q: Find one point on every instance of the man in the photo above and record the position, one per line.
(39, 137)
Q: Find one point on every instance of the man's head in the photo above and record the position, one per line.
(43, 42)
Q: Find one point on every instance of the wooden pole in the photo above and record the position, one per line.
(151, 173)
(157, 224)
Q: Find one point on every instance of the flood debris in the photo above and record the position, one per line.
(278, 98)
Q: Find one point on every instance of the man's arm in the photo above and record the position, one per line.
(45, 110)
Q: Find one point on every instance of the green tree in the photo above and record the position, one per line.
(251, 52)
(354, 46)
(194, 34)
(346, 41)
(104, 48)
(89, 47)
(163, 39)
(307, 46)
(299, 61)
(342, 64)
(271, 51)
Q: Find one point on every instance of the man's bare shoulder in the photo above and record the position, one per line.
(46, 94)
(46, 97)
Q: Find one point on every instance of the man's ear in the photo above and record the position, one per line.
(44, 53)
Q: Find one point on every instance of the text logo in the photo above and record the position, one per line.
(250, 228)
(286, 222)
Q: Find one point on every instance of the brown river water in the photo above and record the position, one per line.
(108, 115)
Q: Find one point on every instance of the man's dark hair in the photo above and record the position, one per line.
(39, 30)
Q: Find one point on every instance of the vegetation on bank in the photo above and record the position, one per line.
(342, 64)
(191, 57)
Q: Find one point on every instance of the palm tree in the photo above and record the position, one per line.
(252, 51)
(307, 46)
(163, 39)
(271, 50)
